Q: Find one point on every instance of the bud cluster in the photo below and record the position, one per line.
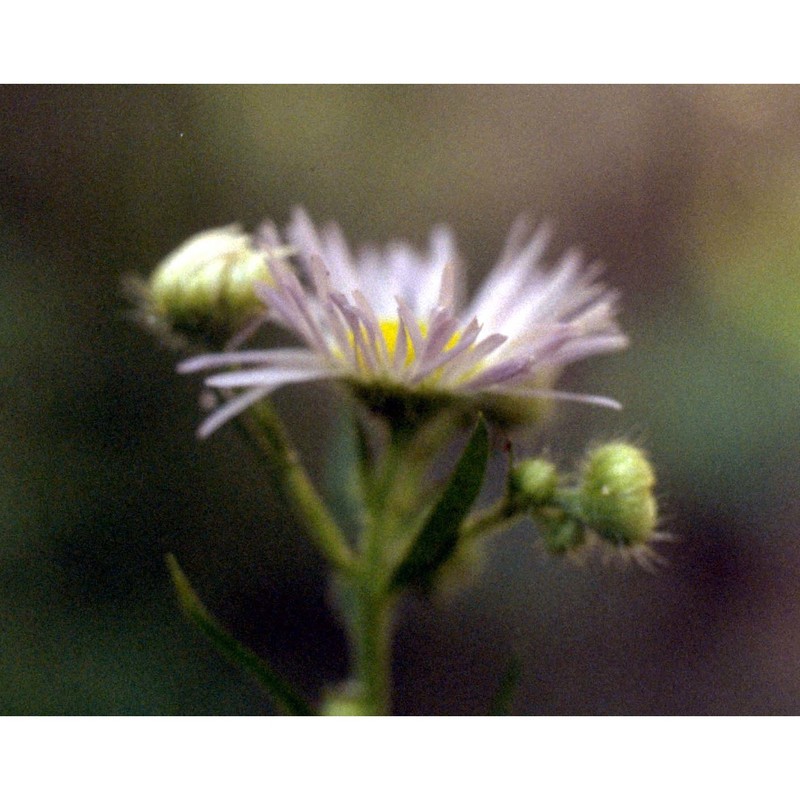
(612, 498)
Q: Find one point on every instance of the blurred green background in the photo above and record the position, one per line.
(689, 195)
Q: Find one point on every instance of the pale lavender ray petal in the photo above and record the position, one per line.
(515, 247)
(442, 245)
(268, 240)
(304, 308)
(553, 394)
(371, 330)
(411, 324)
(238, 339)
(302, 233)
(282, 273)
(402, 266)
(283, 308)
(499, 373)
(447, 288)
(230, 409)
(281, 355)
(518, 263)
(346, 309)
(586, 346)
(339, 256)
(375, 280)
(443, 253)
(359, 343)
(572, 303)
(598, 311)
(442, 327)
(465, 340)
(531, 253)
(401, 346)
(371, 322)
(517, 271)
(340, 330)
(558, 282)
(543, 342)
(266, 236)
(270, 377)
(417, 279)
(367, 313)
(465, 361)
(501, 292)
(320, 276)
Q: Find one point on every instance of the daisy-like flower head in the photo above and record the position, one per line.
(393, 324)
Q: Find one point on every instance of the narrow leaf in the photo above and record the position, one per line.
(282, 694)
(438, 536)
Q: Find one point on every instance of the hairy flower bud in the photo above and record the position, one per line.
(616, 494)
(210, 278)
(205, 289)
(533, 482)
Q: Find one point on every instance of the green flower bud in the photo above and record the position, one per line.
(205, 289)
(210, 278)
(616, 494)
(533, 482)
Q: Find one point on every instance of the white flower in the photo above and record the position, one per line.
(392, 323)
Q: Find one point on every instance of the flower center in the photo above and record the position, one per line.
(389, 330)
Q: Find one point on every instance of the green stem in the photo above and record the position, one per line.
(372, 649)
(390, 502)
(494, 519)
(264, 428)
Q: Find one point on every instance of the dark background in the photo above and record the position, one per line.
(690, 196)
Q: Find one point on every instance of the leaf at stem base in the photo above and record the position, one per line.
(283, 695)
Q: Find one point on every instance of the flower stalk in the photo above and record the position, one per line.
(392, 500)
(371, 623)
(264, 428)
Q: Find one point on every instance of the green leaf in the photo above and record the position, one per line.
(438, 536)
(282, 694)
